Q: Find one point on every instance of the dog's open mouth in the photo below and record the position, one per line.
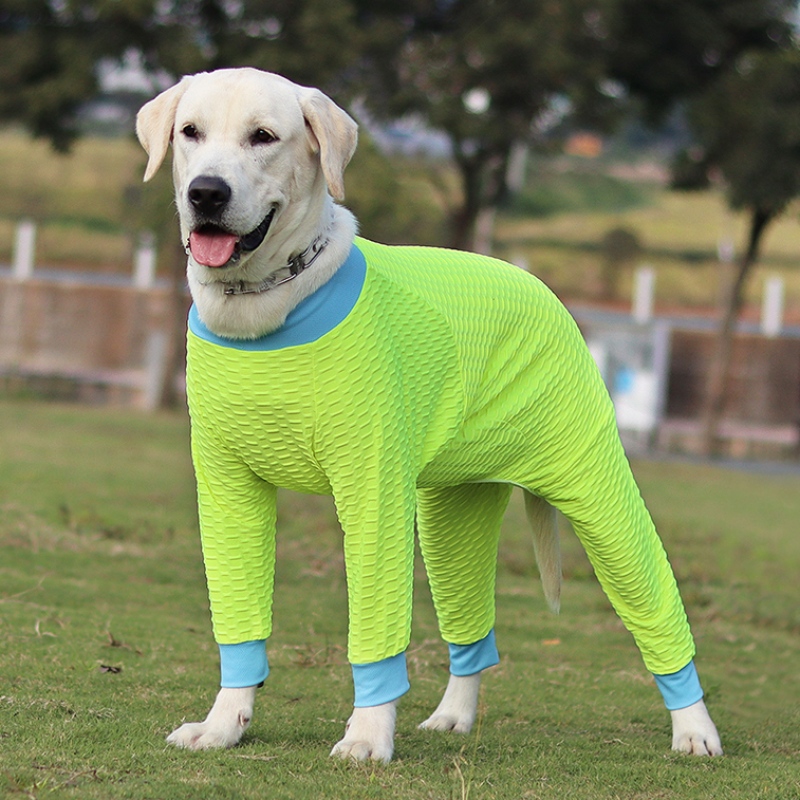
(213, 246)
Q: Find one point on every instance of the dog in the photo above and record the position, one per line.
(416, 385)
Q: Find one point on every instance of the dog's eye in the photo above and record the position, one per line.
(263, 136)
(190, 131)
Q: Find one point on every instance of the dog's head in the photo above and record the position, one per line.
(254, 157)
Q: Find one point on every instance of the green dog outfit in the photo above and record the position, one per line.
(418, 384)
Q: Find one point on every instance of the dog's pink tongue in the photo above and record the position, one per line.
(212, 248)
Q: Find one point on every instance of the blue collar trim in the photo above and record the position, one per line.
(310, 320)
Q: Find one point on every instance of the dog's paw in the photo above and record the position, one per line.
(369, 734)
(201, 736)
(459, 706)
(694, 732)
(228, 719)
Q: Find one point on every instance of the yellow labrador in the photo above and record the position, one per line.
(257, 164)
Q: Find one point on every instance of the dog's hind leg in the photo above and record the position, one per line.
(459, 706)
(459, 528)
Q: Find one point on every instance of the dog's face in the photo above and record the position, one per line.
(254, 157)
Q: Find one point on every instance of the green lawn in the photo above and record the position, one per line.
(679, 233)
(105, 641)
(91, 203)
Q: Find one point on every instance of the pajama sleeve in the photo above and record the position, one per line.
(376, 510)
(237, 526)
(363, 447)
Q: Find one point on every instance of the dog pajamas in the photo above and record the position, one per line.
(418, 385)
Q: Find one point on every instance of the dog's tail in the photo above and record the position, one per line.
(542, 519)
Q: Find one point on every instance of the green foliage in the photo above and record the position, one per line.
(676, 48)
(689, 171)
(394, 200)
(47, 69)
(748, 129)
(554, 191)
(51, 51)
(106, 641)
(97, 189)
(487, 73)
(748, 126)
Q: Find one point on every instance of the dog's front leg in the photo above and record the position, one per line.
(369, 734)
(694, 732)
(228, 719)
(459, 705)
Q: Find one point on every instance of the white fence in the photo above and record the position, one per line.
(91, 336)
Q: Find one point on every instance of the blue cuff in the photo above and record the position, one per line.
(243, 664)
(380, 682)
(680, 689)
(467, 659)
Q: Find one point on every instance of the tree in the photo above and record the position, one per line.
(747, 130)
(490, 73)
(664, 50)
(485, 72)
(51, 51)
(46, 69)
(494, 73)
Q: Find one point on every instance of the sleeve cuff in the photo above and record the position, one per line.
(243, 664)
(380, 682)
(680, 689)
(467, 659)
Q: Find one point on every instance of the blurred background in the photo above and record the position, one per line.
(643, 159)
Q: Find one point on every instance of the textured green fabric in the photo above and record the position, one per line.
(451, 369)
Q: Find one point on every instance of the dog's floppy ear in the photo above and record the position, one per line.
(154, 124)
(336, 135)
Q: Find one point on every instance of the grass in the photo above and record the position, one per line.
(563, 187)
(92, 203)
(679, 233)
(105, 641)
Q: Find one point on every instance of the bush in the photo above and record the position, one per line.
(394, 200)
(553, 191)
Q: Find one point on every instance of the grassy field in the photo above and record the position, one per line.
(679, 234)
(92, 203)
(105, 641)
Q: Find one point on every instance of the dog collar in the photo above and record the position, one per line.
(312, 318)
(296, 265)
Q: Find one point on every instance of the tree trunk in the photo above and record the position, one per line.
(483, 180)
(484, 231)
(464, 218)
(719, 374)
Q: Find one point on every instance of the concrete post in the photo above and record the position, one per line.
(644, 287)
(772, 307)
(144, 264)
(484, 231)
(155, 369)
(24, 250)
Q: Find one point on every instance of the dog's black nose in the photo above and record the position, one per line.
(209, 195)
